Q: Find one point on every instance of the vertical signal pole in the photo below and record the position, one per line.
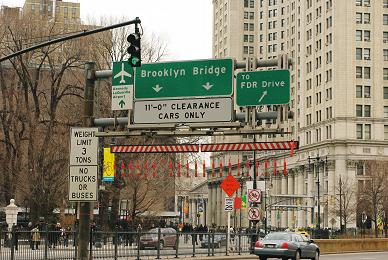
(85, 207)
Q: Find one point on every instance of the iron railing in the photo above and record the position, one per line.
(119, 244)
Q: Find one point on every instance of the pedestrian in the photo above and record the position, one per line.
(200, 230)
(16, 236)
(30, 227)
(35, 238)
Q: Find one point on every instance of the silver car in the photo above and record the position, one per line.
(286, 245)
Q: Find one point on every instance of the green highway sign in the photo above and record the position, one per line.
(122, 86)
(269, 87)
(122, 73)
(200, 78)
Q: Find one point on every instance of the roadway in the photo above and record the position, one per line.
(354, 256)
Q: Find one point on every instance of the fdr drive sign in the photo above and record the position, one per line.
(187, 111)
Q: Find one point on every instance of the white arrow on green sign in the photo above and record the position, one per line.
(201, 78)
(122, 86)
(270, 87)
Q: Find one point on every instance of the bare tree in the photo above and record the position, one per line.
(41, 94)
(344, 205)
(371, 195)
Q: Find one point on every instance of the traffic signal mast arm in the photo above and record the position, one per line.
(70, 37)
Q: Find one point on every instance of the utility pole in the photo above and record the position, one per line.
(85, 207)
(319, 161)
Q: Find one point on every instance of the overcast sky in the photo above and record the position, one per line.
(186, 25)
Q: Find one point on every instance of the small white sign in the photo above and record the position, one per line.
(84, 146)
(229, 204)
(122, 97)
(197, 110)
(254, 214)
(83, 182)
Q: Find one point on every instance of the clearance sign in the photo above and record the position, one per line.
(108, 174)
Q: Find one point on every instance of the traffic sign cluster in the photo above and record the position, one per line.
(193, 91)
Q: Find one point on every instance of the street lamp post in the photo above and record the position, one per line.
(319, 161)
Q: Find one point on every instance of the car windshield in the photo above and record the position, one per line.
(277, 236)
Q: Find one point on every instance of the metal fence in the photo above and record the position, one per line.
(122, 245)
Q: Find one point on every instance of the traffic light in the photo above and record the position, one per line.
(134, 49)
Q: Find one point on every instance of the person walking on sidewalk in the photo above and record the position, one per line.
(35, 238)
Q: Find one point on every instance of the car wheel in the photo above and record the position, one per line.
(263, 258)
(316, 257)
(297, 255)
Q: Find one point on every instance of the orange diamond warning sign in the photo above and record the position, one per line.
(230, 185)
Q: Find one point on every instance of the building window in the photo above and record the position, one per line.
(359, 131)
(385, 111)
(385, 92)
(385, 3)
(367, 18)
(358, 17)
(367, 133)
(358, 2)
(366, 91)
(367, 73)
(358, 35)
(367, 53)
(385, 73)
(367, 111)
(245, 38)
(246, 3)
(358, 53)
(358, 72)
(245, 27)
(360, 169)
(358, 110)
(358, 91)
(385, 132)
(246, 15)
(245, 49)
(367, 36)
(385, 19)
(385, 54)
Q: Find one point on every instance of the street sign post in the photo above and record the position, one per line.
(270, 87)
(122, 86)
(183, 111)
(184, 79)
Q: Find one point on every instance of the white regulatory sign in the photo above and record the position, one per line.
(183, 111)
(253, 214)
(229, 204)
(122, 97)
(84, 146)
(83, 183)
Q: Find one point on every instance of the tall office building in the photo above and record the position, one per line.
(339, 93)
(54, 10)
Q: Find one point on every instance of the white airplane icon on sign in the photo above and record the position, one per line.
(122, 74)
